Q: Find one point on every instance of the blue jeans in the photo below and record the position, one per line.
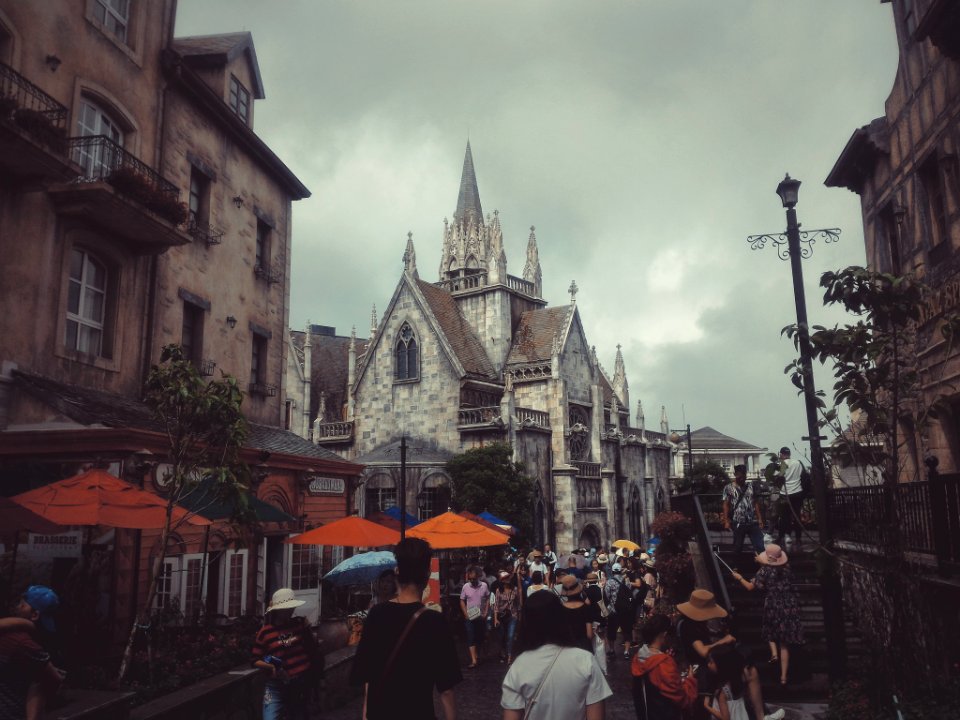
(506, 630)
(740, 530)
(285, 700)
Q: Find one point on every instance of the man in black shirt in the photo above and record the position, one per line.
(426, 658)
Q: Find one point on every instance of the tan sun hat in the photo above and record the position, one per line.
(603, 559)
(571, 585)
(772, 555)
(701, 606)
(284, 599)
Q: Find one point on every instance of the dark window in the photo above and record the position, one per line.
(262, 253)
(192, 336)
(287, 414)
(380, 499)
(258, 360)
(407, 359)
(199, 198)
(114, 15)
(239, 100)
(890, 239)
(933, 188)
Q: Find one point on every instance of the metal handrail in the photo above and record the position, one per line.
(28, 96)
(689, 505)
(104, 159)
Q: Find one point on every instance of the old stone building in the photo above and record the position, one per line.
(139, 208)
(904, 165)
(477, 357)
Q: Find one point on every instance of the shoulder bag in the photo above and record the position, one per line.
(396, 648)
(536, 695)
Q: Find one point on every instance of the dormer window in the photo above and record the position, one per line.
(407, 357)
(240, 99)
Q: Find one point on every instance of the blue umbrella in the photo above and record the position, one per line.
(361, 569)
(394, 512)
(491, 518)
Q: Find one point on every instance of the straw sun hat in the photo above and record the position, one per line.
(701, 606)
(284, 599)
(772, 555)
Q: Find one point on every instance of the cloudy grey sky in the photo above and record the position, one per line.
(643, 138)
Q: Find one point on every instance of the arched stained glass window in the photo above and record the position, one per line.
(406, 353)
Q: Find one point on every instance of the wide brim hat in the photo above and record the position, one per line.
(535, 555)
(603, 559)
(593, 577)
(702, 605)
(284, 599)
(772, 555)
(571, 585)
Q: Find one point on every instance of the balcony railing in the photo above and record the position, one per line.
(204, 232)
(586, 469)
(31, 109)
(103, 159)
(479, 416)
(333, 431)
(206, 367)
(918, 517)
(468, 282)
(270, 274)
(521, 285)
(533, 418)
(262, 390)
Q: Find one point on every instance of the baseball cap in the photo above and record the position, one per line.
(44, 601)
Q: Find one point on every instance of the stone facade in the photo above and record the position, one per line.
(904, 165)
(493, 363)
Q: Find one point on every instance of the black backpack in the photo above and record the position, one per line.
(624, 598)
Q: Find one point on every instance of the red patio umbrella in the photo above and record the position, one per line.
(15, 517)
(450, 530)
(98, 498)
(352, 531)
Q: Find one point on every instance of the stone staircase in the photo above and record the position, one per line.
(809, 664)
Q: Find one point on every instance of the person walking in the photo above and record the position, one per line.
(286, 650)
(729, 672)
(781, 626)
(506, 604)
(552, 678)
(792, 472)
(474, 602)
(578, 614)
(405, 651)
(660, 692)
(741, 512)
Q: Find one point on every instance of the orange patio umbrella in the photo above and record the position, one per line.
(98, 498)
(351, 531)
(449, 530)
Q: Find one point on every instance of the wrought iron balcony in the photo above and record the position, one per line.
(270, 274)
(262, 389)
(123, 195)
(205, 232)
(206, 367)
(332, 432)
(33, 135)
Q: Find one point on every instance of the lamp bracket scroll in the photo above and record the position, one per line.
(807, 240)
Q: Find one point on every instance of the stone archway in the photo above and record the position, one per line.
(590, 537)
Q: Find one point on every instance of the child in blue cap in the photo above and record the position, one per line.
(27, 676)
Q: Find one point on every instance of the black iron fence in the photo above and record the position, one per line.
(917, 517)
(32, 109)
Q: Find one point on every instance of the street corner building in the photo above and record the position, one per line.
(477, 357)
(139, 208)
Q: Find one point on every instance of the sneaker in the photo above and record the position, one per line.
(626, 654)
(778, 715)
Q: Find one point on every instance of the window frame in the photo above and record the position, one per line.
(110, 13)
(194, 350)
(93, 120)
(239, 99)
(226, 582)
(935, 191)
(296, 575)
(258, 358)
(198, 194)
(406, 349)
(79, 317)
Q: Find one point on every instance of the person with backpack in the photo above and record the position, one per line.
(660, 692)
(619, 594)
(792, 472)
(741, 512)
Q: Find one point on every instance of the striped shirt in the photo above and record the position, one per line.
(293, 643)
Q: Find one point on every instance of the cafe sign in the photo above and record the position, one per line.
(64, 545)
(326, 486)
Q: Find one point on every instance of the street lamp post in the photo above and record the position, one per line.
(831, 592)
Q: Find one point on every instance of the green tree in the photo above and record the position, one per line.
(205, 431)
(487, 479)
(707, 476)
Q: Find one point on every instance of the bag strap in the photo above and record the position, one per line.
(536, 695)
(743, 494)
(396, 648)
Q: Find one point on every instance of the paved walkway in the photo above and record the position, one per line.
(478, 696)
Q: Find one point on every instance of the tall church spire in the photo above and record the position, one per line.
(620, 386)
(410, 257)
(531, 271)
(468, 203)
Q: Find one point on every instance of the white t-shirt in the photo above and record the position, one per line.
(791, 470)
(575, 681)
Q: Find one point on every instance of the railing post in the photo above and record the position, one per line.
(939, 505)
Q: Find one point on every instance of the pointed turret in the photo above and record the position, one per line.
(641, 421)
(531, 271)
(664, 423)
(410, 257)
(468, 211)
(620, 380)
(373, 321)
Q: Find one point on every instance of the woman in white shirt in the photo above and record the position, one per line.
(551, 678)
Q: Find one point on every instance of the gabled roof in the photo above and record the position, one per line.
(858, 158)
(706, 438)
(100, 408)
(468, 201)
(459, 333)
(218, 50)
(329, 370)
(533, 338)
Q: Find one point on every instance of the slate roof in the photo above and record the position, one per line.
(533, 338)
(419, 452)
(461, 336)
(329, 357)
(205, 50)
(98, 407)
(706, 438)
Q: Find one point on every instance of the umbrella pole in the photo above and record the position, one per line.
(13, 559)
(203, 572)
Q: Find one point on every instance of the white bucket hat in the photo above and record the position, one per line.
(284, 599)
